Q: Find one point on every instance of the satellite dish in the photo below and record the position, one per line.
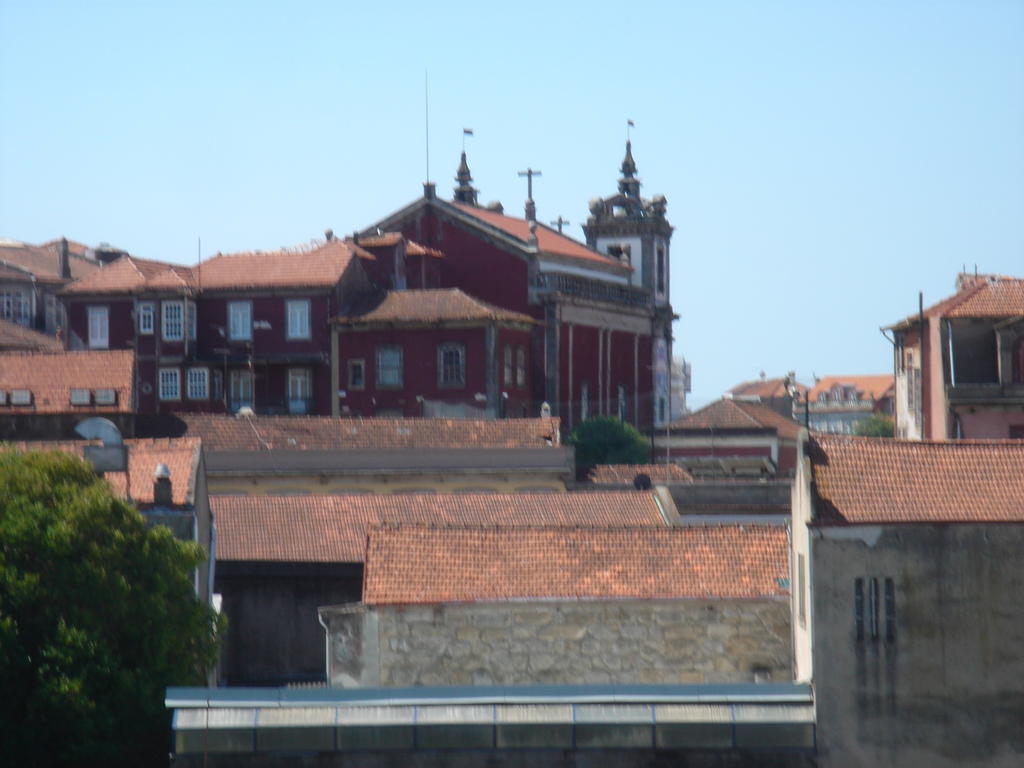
(98, 428)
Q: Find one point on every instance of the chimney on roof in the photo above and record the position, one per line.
(328, 235)
(162, 492)
(65, 260)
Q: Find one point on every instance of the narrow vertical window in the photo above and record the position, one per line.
(357, 374)
(198, 383)
(297, 313)
(240, 321)
(300, 390)
(873, 609)
(661, 269)
(170, 384)
(146, 318)
(584, 401)
(451, 365)
(622, 403)
(192, 321)
(99, 327)
(520, 366)
(241, 390)
(507, 378)
(389, 366)
(858, 609)
(217, 386)
(172, 323)
(890, 611)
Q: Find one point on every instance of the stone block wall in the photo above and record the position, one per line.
(560, 642)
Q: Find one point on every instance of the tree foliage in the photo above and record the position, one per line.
(97, 617)
(604, 440)
(876, 425)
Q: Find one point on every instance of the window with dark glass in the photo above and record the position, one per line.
(508, 365)
(451, 365)
(520, 366)
(389, 366)
(357, 374)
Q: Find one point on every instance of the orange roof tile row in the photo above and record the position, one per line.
(181, 456)
(977, 296)
(432, 306)
(548, 240)
(729, 414)
(625, 474)
(17, 337)
(320, 266)
(875, 480)
(50, 377)
(420, 564)
(871, 387)
(43, 261)
(334, 528)
(324, 433)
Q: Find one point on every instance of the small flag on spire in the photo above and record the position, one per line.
(631, 124)
(467, 131)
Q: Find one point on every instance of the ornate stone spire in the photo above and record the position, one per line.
(465, 192)
(629, 185)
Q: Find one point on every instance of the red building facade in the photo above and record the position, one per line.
(601, 343)
(239, 331)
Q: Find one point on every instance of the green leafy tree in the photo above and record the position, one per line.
(97, 617)
(876, 425)
(604, 440)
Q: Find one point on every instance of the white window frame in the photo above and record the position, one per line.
(296, 312)
(169, 384)
(172, 329)
(16, 306)
(197, 383)
(381, 382)
(234, 386)
(192, 321)
(300, 398)
(99, 340)
(146, 320)
(240, 320)
(458, 368)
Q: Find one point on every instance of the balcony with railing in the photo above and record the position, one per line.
(594, 290)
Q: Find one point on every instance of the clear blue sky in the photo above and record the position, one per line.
(823, 161)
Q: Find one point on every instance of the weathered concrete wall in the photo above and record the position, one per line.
(706, 495)
(607, 641)
(944, 686)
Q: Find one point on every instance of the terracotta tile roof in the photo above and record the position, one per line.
(977, 296)
(180, 454)
(728, 414)
(51, 376)
(334, 528)
(420, 564)
(764, 388)
(17, 337)
(324, 433)
(43, 261)
(873, 387)
(391, 239)
(877, 480)
(128, 274)
(431, 306)
(624, 474)
(548, 240)
(319, 266)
